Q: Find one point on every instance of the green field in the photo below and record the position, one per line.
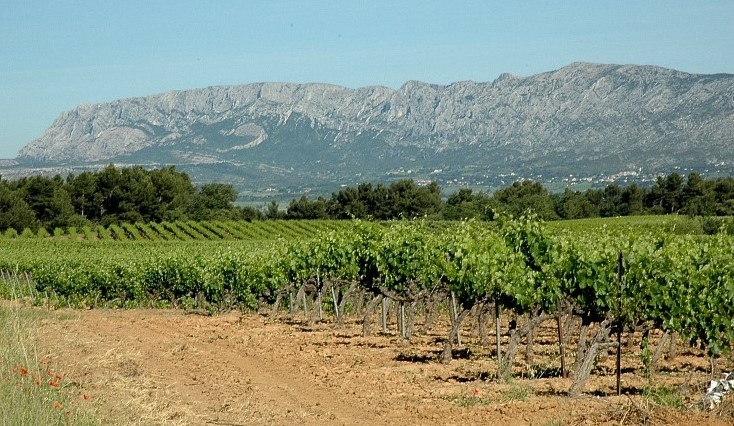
(651, 223)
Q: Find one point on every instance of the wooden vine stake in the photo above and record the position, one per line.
(403, 333)
(302, 291)
(336, 302)
(561, 344)
(454, 316)
(620, 271)
(498, 337)
(385, 306)
(319, 294)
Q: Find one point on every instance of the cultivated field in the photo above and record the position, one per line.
(170, 367)
(265, 323)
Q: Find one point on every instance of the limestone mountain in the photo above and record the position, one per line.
(583, 119)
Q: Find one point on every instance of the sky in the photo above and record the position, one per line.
(55, 55)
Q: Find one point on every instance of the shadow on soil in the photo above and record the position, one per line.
(479, 376)
(432, 356)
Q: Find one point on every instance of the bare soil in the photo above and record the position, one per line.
(172, 367)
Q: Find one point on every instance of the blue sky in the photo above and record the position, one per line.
(57, 54)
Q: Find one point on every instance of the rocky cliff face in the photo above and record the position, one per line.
(581, 116)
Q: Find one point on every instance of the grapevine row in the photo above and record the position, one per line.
(188, 230)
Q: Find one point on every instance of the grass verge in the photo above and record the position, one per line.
(32, 392)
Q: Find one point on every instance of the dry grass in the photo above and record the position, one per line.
(131, 395)
(32, 392)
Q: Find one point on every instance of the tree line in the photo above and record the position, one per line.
(671, 194)
(115, 195)
(112, 196)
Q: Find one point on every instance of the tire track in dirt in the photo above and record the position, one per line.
(222, 372)
(241, 365)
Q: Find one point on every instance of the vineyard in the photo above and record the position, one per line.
(186, 230)
(590, 289)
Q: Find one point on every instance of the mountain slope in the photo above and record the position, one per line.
(580, 119)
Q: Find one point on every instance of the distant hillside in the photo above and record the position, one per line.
(585, 120)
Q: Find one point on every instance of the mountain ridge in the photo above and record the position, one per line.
(583, 118)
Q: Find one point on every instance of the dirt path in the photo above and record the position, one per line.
(167, 367)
